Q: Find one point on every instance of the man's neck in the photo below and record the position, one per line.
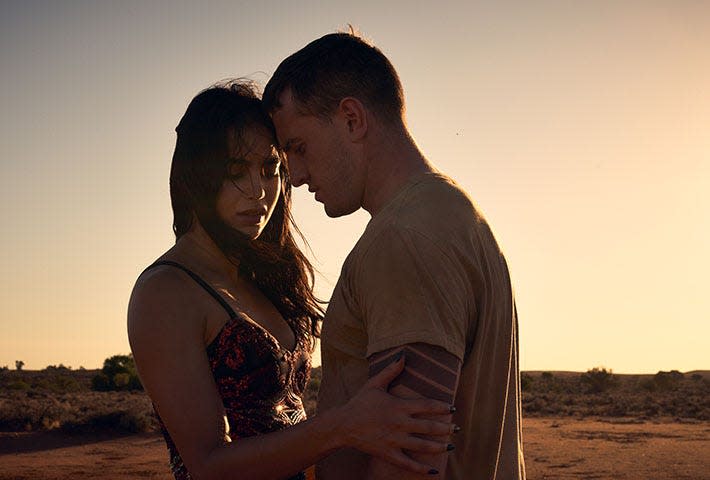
(393, 159)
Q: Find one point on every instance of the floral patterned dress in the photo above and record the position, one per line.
(260, 383)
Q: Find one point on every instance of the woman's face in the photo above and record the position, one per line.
(253, 184)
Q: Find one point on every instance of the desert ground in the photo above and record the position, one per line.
(59, 423)
(555, 448)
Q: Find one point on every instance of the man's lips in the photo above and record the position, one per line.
(314, 190)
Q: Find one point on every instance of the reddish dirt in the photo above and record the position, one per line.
(621, 450)
(555, 448)
(54, 456)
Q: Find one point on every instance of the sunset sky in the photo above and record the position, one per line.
(582, 130)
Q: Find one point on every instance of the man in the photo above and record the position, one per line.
(426, 278)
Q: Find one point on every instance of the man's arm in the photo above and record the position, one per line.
(429, 372)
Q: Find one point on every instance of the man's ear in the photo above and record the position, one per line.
(354, 115)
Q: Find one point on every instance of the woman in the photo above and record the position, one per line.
(223, 324)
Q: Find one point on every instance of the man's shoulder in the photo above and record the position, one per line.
(435, 207)
(433, 199)
(431, 214)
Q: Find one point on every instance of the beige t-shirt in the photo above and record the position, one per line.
(428, 269)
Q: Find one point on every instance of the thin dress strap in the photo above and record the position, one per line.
(208, 288)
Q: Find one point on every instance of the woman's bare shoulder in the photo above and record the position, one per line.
(160, 277)
(161, 283)
(163, 301)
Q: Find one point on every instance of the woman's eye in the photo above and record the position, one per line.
(300, 149)
(237, 171)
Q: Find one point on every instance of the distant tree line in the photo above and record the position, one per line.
(598, 392)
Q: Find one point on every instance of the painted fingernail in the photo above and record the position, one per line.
(457, 429)
(433, 471)
(452, 409)
(450, 447)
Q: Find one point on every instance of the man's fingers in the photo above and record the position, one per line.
(401, 460)
(421, 445)
(429, 427)
(389, 373)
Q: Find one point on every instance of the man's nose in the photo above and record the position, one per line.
(297, 171)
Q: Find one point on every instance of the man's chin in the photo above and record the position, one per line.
(335, 212)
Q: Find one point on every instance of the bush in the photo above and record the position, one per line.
(57, 368)
(119, 422)
(121, 380)
(648, 385)
(598, 380)
(63, 383)
(56, 385)
(18, 385)
(22, 415)
(666, 381)
(118, 373)
(101, 383)
(87, 412)
(525, 382)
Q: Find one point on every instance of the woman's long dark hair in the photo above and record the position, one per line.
(200, 165)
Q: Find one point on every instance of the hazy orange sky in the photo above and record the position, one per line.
(582, 129)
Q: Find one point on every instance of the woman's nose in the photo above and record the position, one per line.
(256, 190)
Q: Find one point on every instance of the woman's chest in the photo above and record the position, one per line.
(255, 308)
(245, 355)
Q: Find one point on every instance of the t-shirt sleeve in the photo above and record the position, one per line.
(411, 290)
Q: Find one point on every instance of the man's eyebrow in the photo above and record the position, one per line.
(288, 144)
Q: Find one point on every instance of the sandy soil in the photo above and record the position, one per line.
(622, 450)
(555, 448)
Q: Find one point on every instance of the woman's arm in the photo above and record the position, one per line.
(166, 331)
(375, 423)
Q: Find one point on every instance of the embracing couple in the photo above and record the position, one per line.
(419, 340)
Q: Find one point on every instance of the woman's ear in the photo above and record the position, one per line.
(354, 115)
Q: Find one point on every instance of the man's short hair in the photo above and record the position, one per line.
(333, 67)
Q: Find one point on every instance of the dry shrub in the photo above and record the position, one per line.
(118, 412)
(598, 380)
(46, 400)
(598, 393)
(116, 422)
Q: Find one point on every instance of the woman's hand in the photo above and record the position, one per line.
(383, 425)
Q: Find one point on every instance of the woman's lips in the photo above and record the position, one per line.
(250, 218)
